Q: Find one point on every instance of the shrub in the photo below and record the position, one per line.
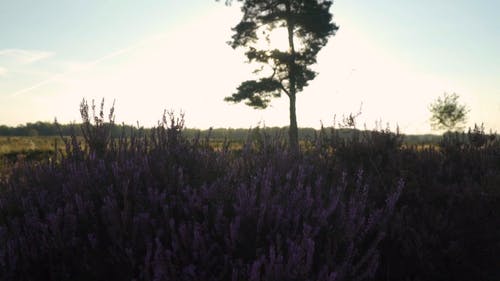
(159, 206)
(162, 207)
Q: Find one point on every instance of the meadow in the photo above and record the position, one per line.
(161, 204)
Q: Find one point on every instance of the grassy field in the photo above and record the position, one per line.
(10, 145)
(35, 148)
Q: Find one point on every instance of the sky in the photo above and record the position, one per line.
(390, 59)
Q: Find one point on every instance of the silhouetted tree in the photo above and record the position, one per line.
(308, 25)
(447, 113)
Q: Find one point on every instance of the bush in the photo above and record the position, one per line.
(159, 206)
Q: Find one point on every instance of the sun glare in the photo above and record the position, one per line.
(276, 38)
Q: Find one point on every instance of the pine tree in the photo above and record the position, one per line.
(308, 25)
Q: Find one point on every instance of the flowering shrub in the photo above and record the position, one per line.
(161, 207)
(95, 131)
(447, 226)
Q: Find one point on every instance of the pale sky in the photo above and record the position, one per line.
(394, 57)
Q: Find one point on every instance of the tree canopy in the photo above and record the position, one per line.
(308, 26)
(447, 113)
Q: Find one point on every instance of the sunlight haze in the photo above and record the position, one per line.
(391, 58)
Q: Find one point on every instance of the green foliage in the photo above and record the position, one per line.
(447, 113)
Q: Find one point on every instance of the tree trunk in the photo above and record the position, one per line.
(293, 130)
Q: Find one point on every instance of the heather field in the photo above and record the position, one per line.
(159, 205)
(218, 195)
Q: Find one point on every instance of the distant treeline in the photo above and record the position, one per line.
(53, 129)
(238, 134)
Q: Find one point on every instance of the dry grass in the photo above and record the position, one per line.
(12, 145)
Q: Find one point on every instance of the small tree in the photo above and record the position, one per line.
(447, 113)
(307, 24)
